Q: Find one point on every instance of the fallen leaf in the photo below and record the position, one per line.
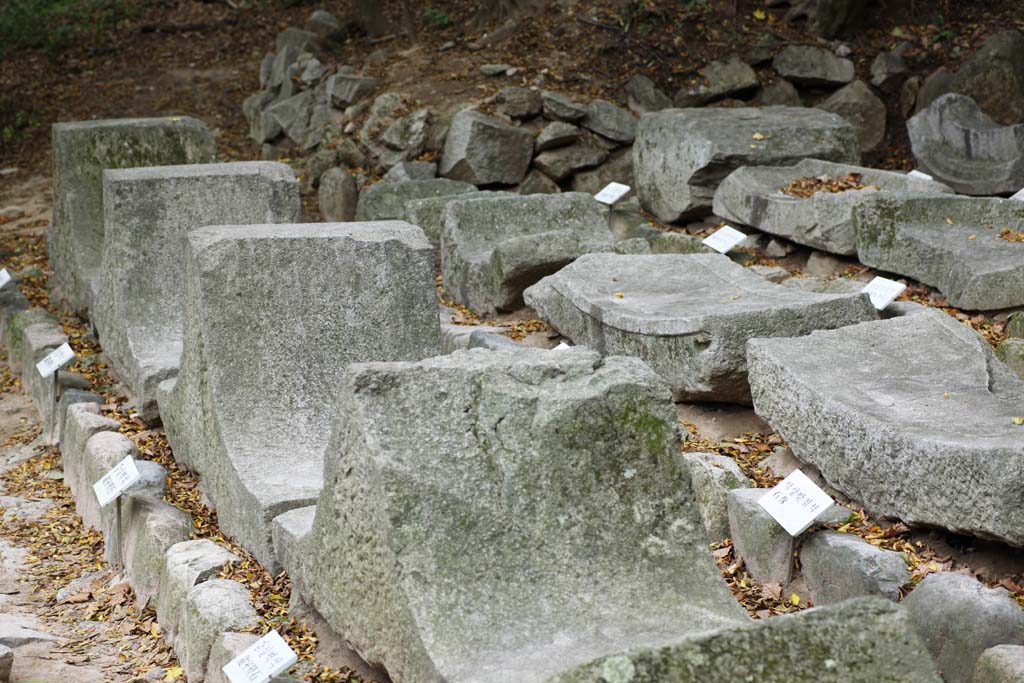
(760, 15)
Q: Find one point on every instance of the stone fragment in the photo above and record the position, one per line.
(323, 23)
(519, 103)
(712, 477)
(186, 564)
(557, 134)
(81, 152)
(299, 39)
(959, 619)
(863, 109)
(766, 548)
(780, 92)
(69, 398)
(83, 421)
(807, 65)
(292, 115)
(729, 77)
(495, 69)
(562, 162)
(994, 77)
(611, 121)
(296, 303)
(838, 567)
(288, 533)
(150, 526)
(486, 482)
(149, 213)
(752, 195)
(6, 663)
(536, 182)
(1015, 325)
(1011, 352)
(912, 417)
(558, 107)
(957, 144)
(227, 647)
(774, 274)
(428, 213)
(950, 242)
(618, 167)
(688, 315)
(344, 90)
(1000, 664)
(405, 139)
(406, 171)
(338, 195)
(387, 201)
(888, 70)
(211, 608)
(681, 155)
(482, 150)
(908, 95)
(492, 249)
(644, 96)
(480, 339)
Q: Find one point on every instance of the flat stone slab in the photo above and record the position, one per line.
(492, 249)
(81, 152)
(428, 213)
(681, 155)
(913, 417)
(387, 201)
(952, 243)
(955, 142)
(273, 316)
(689, 316)
(148, 214)
(752, 195)
(495, 516)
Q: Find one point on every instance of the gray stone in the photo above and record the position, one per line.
(860, 641)
(536, 182)
(712, 477)
(863, 109)
(406, 171)
(994, 77)
(31, 336)
(338, 195)
(644, 96)
(387, 201)
(483, 150)
(888, 70)
(6, 663)
(934, 86)
(492, 249)
(279, 69)
(729, 77)
(292, 115)
(150, 527)
(17, 630)
(323, 23)
(1011, 352)
(211, 608)
(473, 498)
(186, 564)
(838, 567)
(611, 121)
(300, 39)
(149, 213)
(226, 647)
(69, 398)
(688, 315)
(495, 69)
(954, 141)
(481, 339)
(753, 196)
(912, 417)
(827, 18)
(405, 139)
(1015, 325)
(617, 168)
(312, 72)
(774, 274)
(908, 95)
(428, 213)
(344, 90)
(807, 65)
(558, 107)
(766, 548)
(1000, 664)
(949, 242)
(562, 162)
(557, 134)
(263, 302)
(83, 421)
(288, 533)
(780, 92)
(455, 336)
(81, 152)
(519, 103)
(959, 618)
(681, 155)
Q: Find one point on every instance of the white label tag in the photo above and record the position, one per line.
(1019, 196)
(795, 502)
(883, 291)
(612, 193)
(116, 481)
(724, 239)
(920, 176)
(264, 659)
(562, 346)
(5, 277)
(55, 360)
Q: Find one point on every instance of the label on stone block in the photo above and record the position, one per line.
(116, 481)
(562, 346)
(5, 277)
(920, 176)
(264, 659)
(55, 360)
(1019, 197)
(724, 239)
(612, 193)
(883, 291)
(795, 503)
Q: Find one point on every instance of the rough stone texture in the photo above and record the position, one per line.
(712, 477)
(346, 89)
(644, 96)
(1000, 664)
(826, 18)
(780, 92)
(536, 182)
(151, 526)
(688, 316)
(68, 398)
(611, 121)
(1015, 325)
(83, 421)
(1011, 352)
(562, 162)
(557, 134)
(681, 155)
(225, 649)
(288, 533)
(867, 406)
(807, 65)
(428, 213)
(959, 618)
(766, 548)
(558, 107)
(838, 567)
(211, 608)
(483, 150)
(148, 213)
(81, 152)
(6, 663)
(860, 641)
(888, 70)
(473, 498)
(296, 303)
(186, 564)
(863, 109)
(617, 168)
(519, 103)
(493, 249)
(729, 77)
(752, 195)
(102, 451)
(956, 143)
(406, 171)
(994, 77)
(386, 201)
(338, 195)
(930, 240)
(31, 336)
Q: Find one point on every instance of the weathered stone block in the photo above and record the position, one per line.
(712, 477)
(483, 150)
(766, 548)
(186, 564)
(1000, 664)
(211, 608)
(838, 567)
(387, 201)
(150, 527)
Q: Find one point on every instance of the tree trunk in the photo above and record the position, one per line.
(371, 18)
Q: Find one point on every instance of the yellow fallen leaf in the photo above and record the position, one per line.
(760, 15)
(1017, 420)
(174, 673)
(973, 237)
(619, 295)
(949, 219)
(760, 136)
(794, 598)
(945, 395)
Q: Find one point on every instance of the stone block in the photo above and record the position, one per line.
(387, 201)
(712, 477)
(766, 548)
(838, 567)
(211, 608)
(186, 564)
(483, 150)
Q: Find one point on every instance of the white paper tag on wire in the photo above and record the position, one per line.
(919, 175)
(795, 502)
(1019, 196)
(724, 239)
(612, 193)
(562, 346)
(883, 291)
(5, 277)
(264, 659)
(55, 360)
(116, 481)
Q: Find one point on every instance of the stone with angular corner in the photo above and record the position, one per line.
(68, 398)
(31, 336)
(681, 155)
(338, 195)
(83, 421)
(766, 548)
(492, 249)
(864, 110)
(1000, 664)
(428, 213)
(387, 201)
(950, 242)
(211, 608)
(752, 195)
(838, 567)
(470, 501)
(292, 305)
(912, 417)
(959, 619)
(1011, 352)
(562, 162)
(186, 564)
(407, 171)
(289, 531)
(226, 647)
(610, 121)
(148, 215)
(81, 152)
(689, 316)
(713, 476)
(954, 141)
(6, 663)
(483, 150)
(151, 526)
(729, 77)
(813, 66)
